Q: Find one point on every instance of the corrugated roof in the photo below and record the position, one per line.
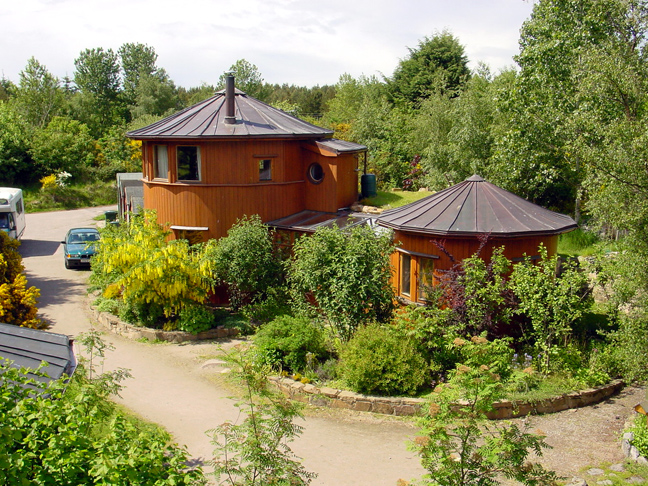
(29, 347)
(207, 120)
(476, 206)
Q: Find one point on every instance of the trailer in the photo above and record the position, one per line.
(12, 212)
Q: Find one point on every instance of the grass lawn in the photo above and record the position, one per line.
(389, 199)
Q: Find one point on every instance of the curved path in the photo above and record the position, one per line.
(170, 387)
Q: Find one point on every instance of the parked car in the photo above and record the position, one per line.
(79, 246)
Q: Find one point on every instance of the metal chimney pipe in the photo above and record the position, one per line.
(230, 107)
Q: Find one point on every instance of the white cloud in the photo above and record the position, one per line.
(298, 42)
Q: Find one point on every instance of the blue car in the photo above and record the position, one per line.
(79, 246)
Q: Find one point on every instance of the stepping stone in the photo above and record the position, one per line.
(213, 363)
(635, 480)
(617, 467)
(595, 471)
(605, 482)
(578, 482)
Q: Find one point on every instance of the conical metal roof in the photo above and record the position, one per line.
(207, 120)
(476, 206)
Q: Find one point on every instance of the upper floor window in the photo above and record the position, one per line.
(265, 170)
(161, 162)
(188, 160)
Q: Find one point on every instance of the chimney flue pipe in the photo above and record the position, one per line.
(230, 108)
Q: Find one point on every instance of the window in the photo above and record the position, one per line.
(161, 162)
(315, 173)
(265, 170)
(188, 163)
(425, 277)
(19, 206)
(406, 274)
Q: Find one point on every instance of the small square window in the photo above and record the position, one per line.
(265, 170)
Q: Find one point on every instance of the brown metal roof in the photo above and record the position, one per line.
(207, 120)
(476, 206)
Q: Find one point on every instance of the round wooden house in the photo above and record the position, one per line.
(232, 155)
(454, 219)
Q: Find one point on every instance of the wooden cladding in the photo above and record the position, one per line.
(419, 254)
(264, 177)
(218, 207)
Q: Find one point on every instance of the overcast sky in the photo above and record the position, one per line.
(301, 42)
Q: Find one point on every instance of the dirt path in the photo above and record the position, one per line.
(171, 387)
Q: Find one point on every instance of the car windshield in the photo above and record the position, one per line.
(79, 238)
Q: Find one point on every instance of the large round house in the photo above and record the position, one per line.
(232, 155)
(454, 219)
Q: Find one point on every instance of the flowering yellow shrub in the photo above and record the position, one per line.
(18, 304)
(48, 182)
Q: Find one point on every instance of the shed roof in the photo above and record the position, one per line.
(207, 120)
(476, 206)
(308, 221)
(29, 347)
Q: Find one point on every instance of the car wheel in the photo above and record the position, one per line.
(67, 264)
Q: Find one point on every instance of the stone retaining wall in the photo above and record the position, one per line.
(117, 326)
(330, 397)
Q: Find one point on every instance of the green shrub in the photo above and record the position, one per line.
(378, 360)
(147, 314)
(640, 431)
(430, 329)
(290, 343)
(275, 304)
(496, 355)
(195, 319)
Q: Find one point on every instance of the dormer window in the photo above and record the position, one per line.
(265, 170)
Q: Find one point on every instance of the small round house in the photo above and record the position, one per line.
(454, 219)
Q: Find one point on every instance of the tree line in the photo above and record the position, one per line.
(564, 128)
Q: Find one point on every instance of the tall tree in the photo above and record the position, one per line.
(438, 64)
(533, 157)
(39, 96)
(248, 79)
(97, 76)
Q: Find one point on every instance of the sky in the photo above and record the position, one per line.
(300, 42)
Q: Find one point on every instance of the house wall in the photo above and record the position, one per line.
(419, 247)
(230, 187)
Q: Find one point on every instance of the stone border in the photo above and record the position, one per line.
(117, 326)
(333, 398)
(630, 451)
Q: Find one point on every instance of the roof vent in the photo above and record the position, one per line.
(230, 108)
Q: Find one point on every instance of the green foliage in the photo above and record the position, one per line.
(276, 303)
(438, 64)
(15, 163)
(63, 145)
(431, 329)
(39, 96)
(343, 276)
(552, 303)
(574, 242)
(70, 433)
(640, 431)
(256, 451)
(195, 319)
(459, 447)
(290, 343)
(378, 360)
(395, 199)
(245, 260)
(248, 79)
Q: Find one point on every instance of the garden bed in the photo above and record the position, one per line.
(404, 406)
(117, 326)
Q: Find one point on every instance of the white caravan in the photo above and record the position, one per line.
(12, 212)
